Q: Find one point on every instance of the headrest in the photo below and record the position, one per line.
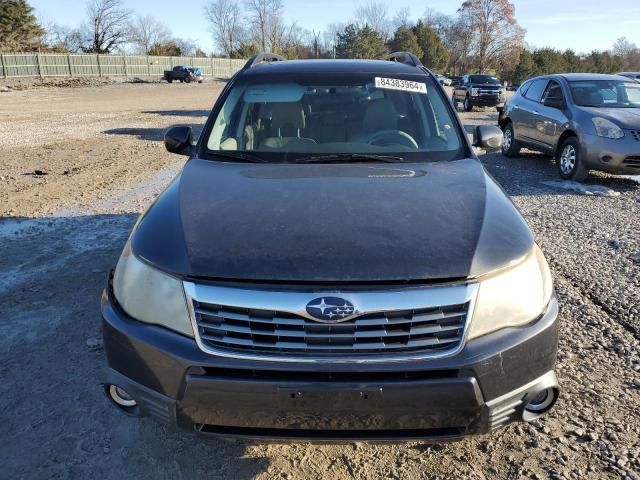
(284, 114)
(380, 115)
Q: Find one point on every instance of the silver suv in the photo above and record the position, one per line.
(585, 120)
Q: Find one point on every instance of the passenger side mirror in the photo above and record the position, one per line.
(554, 102)
(178, 140)
(487, 137)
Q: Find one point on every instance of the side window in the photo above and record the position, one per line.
(465, 79)
(524, 88)
(554, 90)
(534, 92)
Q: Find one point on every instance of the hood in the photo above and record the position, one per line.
(628, 118)
(332, 223)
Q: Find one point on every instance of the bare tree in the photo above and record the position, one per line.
(146, 31)
(402, 19)
(265, 18)
(107, 26)
(187, 46)
(225, 23)
(628, 52)
(376, 16)
(496, 31)
(62, 38)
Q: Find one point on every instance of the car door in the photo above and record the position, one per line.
(529, 109)
(550, 119)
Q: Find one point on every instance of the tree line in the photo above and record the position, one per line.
(109, 27)
(482, 36)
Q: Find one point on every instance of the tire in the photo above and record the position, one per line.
(188, 79)
(467, 104)
(510, 146)
(170, 80)
(570, 164)
(454, 102)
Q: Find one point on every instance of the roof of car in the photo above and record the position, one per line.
(588, 76)
(332, 66)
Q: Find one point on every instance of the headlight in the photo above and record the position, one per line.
(150, 296)
(474, 92)
(512, 297)
(606, 128)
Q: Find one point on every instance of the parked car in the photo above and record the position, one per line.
(634, 75)
(184, 74)
(443, 80)
(333, 262)
(455, 81)
(479, 90)
(585, 120)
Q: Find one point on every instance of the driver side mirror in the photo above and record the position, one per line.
(554, 102)
(178, 140)
(487, 137)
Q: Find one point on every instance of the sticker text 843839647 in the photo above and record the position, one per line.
(397, 84)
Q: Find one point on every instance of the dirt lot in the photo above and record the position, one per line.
(76, 168)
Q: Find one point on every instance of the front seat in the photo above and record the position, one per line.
(285, 122)
(380, 115)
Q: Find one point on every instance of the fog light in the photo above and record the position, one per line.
(121, 397)
(540, 403)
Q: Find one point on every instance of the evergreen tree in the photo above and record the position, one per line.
(434, 53)
(526, 67)
(19, 30)
(355, 42)
(404, 40)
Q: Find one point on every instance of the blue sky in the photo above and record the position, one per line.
(582, 25)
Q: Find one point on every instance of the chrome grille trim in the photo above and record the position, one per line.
(390, 325)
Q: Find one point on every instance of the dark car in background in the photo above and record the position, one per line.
(633, 75)
(479, 91)
(184, 74)
(333, 262)
(585, 120)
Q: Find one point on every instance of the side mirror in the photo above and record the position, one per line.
(487, 137)
(554, 102)
(178, 140)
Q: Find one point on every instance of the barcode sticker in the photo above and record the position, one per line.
(397, 84)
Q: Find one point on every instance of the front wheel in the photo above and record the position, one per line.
(570, 164)
(467, 104)
(510, 146)
(188, 79)
(170, 80)
(454, 102)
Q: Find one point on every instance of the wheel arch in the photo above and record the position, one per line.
(566, 134)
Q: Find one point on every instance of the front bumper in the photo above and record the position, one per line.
(482, 388)
(487, 101)
(620, 156)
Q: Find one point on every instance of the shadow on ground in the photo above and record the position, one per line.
(151, 133)
(179, 113)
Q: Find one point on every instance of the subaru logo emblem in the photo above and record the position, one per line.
(330, 309)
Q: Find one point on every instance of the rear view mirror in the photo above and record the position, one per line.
(178, 140)
(487, 137)
(554, 102)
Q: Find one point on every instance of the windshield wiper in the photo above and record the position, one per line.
(238, 156)
(351, 157)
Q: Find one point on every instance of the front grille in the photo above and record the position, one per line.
(429, 329)
(633, 161)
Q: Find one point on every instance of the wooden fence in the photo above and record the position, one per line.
(15, 65)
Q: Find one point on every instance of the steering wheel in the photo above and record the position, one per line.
(384, 138)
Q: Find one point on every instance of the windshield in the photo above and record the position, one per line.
(304, 117)
(484, 79)
(605, 93)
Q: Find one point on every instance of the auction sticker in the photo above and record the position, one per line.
(397, 84)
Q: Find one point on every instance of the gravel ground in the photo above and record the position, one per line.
(61, 232)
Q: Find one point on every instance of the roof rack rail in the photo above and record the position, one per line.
(263, 57)
(404, 57)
